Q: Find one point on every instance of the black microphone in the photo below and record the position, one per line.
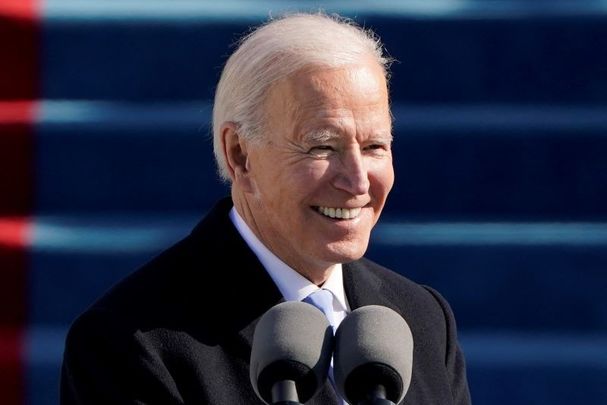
(291, 354)
(373, 357)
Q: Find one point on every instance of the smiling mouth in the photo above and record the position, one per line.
(339, 213)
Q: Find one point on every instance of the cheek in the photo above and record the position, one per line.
(288, 189)
(308, 178)
(381, 177)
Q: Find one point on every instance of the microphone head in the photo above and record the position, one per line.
(292, 341)
(373, 346)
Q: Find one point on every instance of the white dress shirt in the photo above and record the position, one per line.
(292, 285)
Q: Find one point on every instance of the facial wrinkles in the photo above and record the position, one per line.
(335, 109)
(349, 130)
(359, 123)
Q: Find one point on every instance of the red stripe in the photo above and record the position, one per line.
(16, 112)
(20, 9)
(15, 234)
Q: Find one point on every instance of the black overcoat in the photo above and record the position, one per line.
(179, 330)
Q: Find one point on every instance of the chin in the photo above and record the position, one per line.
(344, 253)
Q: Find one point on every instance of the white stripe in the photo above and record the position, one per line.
(450, 118)
(109, 234)
(115, 233)
(492, 233)
(247, 10)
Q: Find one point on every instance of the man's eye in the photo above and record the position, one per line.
(377, 147)
(321, 149)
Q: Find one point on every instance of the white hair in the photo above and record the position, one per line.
(275, 51)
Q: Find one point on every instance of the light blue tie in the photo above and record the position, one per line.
(323, 300)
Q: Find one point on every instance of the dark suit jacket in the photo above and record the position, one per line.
(179, 330)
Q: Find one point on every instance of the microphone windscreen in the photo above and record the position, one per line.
(373, 346)
(292, 341)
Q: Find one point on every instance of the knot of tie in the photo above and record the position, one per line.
(323, 300)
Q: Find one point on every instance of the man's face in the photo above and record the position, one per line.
(322, 174)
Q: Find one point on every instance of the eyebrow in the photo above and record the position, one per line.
(320, 136)
(327, 135)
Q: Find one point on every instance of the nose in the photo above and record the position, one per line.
(352, 175)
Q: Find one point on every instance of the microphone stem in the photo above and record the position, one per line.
(285, 393)
(379, 392)
(377, 397)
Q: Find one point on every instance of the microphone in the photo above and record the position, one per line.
(291, 354)
(373, 357)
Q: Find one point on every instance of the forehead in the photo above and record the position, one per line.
(353, 97)
(337, 86)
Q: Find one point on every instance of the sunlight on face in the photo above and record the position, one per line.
(322, 175)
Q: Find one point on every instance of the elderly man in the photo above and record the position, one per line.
(302, 132)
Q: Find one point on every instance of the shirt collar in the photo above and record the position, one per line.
(292, 285)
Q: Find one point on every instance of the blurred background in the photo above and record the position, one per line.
(500, 150)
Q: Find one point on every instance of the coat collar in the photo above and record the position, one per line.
(362, 285)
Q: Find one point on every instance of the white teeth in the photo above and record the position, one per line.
(341, 213)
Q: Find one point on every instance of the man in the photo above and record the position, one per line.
(302, 131)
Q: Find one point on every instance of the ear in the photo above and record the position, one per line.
(235, 151)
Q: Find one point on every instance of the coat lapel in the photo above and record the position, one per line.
(239, 280)
(362, 286)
